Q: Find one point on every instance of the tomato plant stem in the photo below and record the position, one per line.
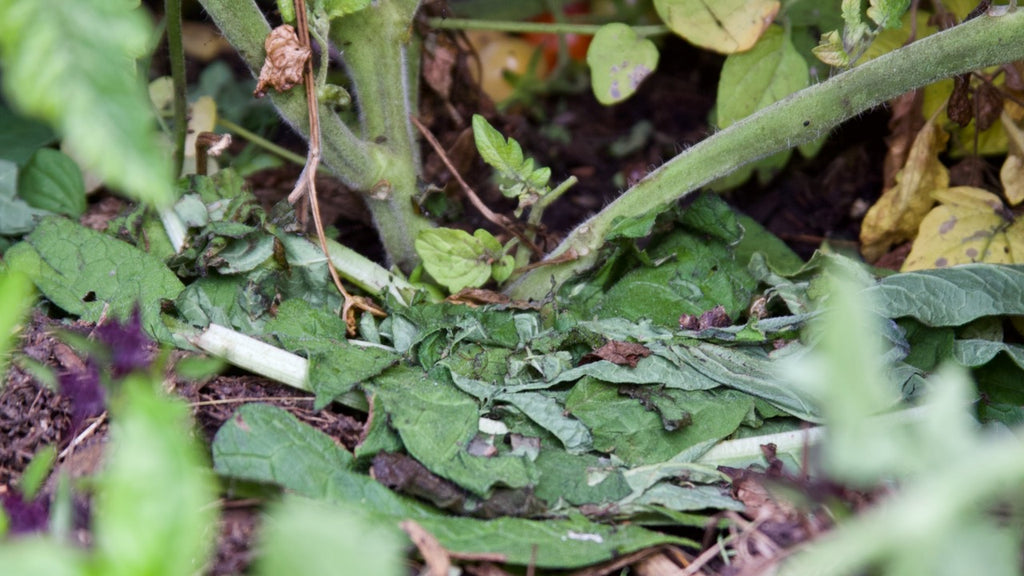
(802, 117)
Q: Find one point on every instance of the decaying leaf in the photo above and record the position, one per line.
(286, 58)
(898, 213)
(725, 26)
(905, 122)
(970, 225)
(960, 108)
(617, 352)
(990, 105)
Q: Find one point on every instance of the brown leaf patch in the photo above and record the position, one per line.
(622, 353)
(286, 58)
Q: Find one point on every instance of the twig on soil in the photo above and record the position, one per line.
(82, 436)
(490, 215)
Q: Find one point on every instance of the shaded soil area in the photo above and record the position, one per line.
(812, 200)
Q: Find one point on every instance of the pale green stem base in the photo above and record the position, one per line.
(807, 115)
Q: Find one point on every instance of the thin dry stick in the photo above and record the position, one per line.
(490, 215)
(306, 186)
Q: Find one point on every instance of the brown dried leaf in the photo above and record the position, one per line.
(905, 123)
(896, 216)
(717, 317)
(960, 108)
(622, 353)
(990, 105)
(286, 59)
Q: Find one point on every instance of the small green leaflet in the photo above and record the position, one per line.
(887, 13)
(459, 260)
(506, 156)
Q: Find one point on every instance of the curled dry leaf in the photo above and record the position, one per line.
(898, 213)
(622, 353)
(286, 58)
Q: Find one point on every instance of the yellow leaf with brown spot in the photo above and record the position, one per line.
(969, 225)
(896, 216)
(725, 26)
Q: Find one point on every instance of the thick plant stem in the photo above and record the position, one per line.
(988, 40)
(383, 162)
(349, 157)
(381, 57)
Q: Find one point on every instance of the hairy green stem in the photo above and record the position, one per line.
(352, 159)
(381, 58)
(989, 40)
(176, 53)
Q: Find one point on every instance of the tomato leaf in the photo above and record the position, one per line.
(506, 156)
(619, 61)
(726, 26)
(457, 259)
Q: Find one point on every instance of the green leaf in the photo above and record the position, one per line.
(339, 8)
(90, 274)
(887, 13)
(623, 426)
(952, 296)
(506, 156)
(436, 422)
(52, 181)
(455, 258)
(16, 216)
(21, 136)
(574, 479)
(697, 276)
(570, 543)
(297, 534)
(16, 294)
(155, 473)
(619, 61)
(39, 555)
(264, 443)
(71, 63)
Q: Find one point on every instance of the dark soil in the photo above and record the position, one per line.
(811, 201)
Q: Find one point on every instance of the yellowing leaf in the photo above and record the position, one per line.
(970, 225)
(725, 26)
(1012, 177)
(1012, 172)
(898, 213)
